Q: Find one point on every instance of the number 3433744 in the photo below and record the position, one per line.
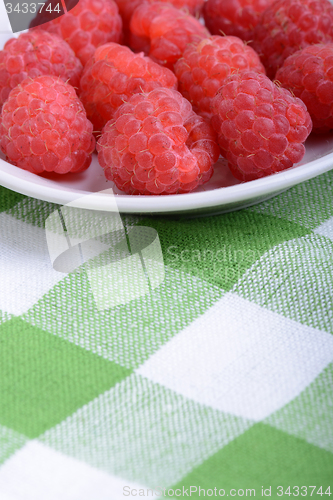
(31, 8)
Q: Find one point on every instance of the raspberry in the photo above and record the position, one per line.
(113, 75)
(261, 127)
(234, 17)
(291, 25)
(205, 65)
(163, 31)
(33, 54)
(88, 25)
(43, 127)
(156, 144)
(127, 7)
(308, 73)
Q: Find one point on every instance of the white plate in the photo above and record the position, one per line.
(223, 193)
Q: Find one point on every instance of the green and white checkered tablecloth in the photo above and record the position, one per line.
(218, 382)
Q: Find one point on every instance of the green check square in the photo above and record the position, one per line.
(9, 198)
(44, 379)
(220, 249)
(262, 457)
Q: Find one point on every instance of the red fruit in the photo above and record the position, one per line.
(193, 7)
(163, 31)
(88, 25)
(205, 65)
(291, 25)
(113, 75)
(156, 144)
(234, 17)
(44, 128)
(33, 54)
(261, 127)
(127, 7)
(309, 75)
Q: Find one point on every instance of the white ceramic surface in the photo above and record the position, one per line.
(222, 193)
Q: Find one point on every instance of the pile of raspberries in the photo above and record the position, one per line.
(162, 89)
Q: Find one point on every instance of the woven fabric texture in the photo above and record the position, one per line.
(217, 382)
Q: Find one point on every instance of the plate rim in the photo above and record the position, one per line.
(23, 182)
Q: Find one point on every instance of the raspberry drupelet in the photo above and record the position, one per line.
(261, 128)
(156, 144)
(34, 54)
(234, 17)
(309, 75)
(163, 32)
(44, 128)
(290, 25)
(88, 25)
(205, 65)
(113, 75)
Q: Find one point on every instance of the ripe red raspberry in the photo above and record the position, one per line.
(234, 17)
(309, 75)
(205, 65)
(261, 127)
(291, 25)
(127, 7)
(163, 31)
(44, 128)
(33, 54)
(193, 7)
(156, 144)
(88, 25)
(113, 75)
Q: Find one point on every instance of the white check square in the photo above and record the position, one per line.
(37, 472)
(241, 359)
(25, 267)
